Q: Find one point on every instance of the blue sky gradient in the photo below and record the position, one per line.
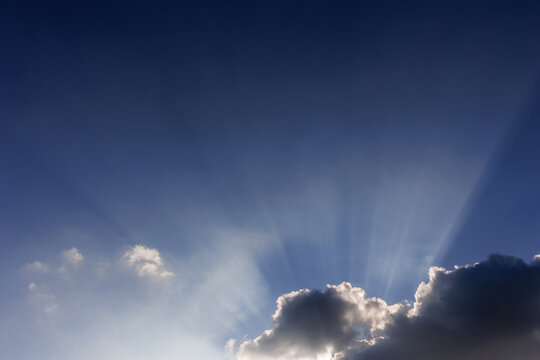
(260, 148)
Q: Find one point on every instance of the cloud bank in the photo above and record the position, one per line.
(486, 311)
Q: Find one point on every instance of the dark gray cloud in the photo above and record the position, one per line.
(490, 310)
(486, 311)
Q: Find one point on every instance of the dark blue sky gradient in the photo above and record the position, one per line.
(371, 139)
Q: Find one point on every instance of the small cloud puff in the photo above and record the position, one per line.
(45, 301)
(146, 262)
(72, 256)
(37, 266)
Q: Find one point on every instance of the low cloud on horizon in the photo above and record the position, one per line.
(486, 311)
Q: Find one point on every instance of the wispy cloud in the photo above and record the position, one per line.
(189, 317)
(42, 298)
(37, 266)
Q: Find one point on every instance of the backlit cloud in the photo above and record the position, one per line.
(309, 324)
(485, 311)
(146, 262)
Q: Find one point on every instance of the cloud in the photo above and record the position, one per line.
(37, 266)
(72, 256)
(313, 323)
(230, 346)
(45, 301)
(146, 262)
(486, 311)
(212, 294)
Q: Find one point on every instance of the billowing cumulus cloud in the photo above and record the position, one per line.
(486, 311)
(146, 262)
(310, 323)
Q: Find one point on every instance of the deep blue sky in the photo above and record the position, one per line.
(338, 140)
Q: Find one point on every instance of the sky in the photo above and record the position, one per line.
(202, 179)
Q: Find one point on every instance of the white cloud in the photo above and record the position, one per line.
(230, 347)
(190, 315)
(37, 266)
(40, 297)
(146, 262)
(72, 256)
